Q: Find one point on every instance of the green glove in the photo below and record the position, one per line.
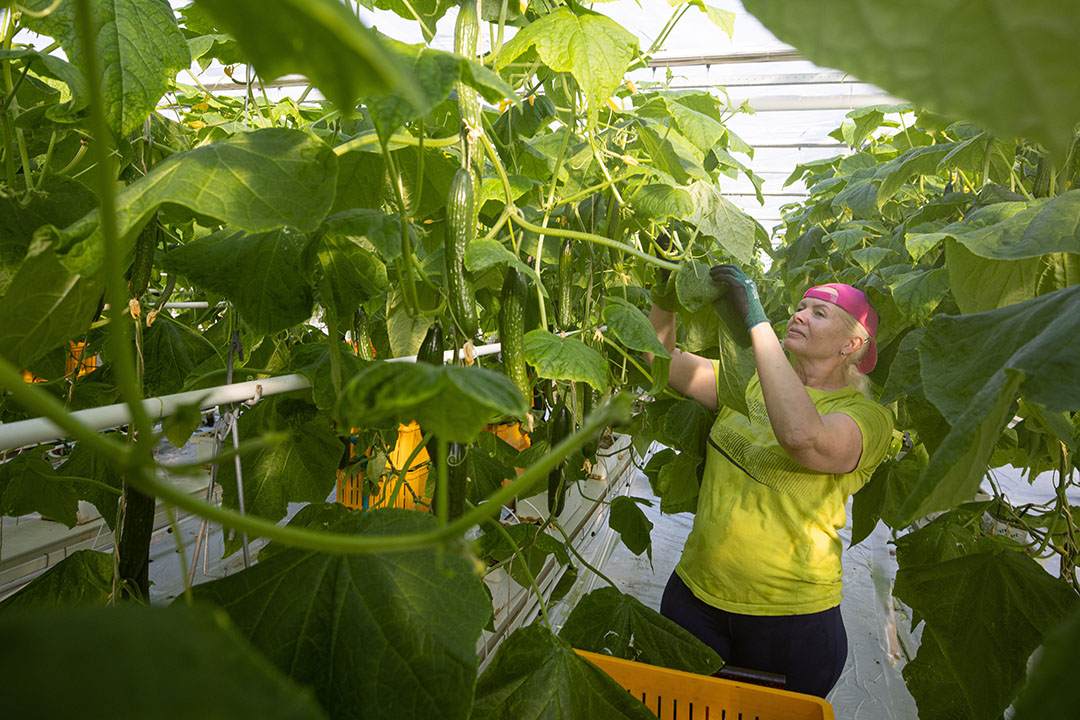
(743, 293)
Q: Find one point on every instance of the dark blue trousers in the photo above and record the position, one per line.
(810, 650)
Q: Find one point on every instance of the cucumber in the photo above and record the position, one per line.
(566, 275)
(364, 347)
(467, 43)
(592, 445)
(145, 245)
(562, 425)
(458, 476)
(432, 348)
(512, 331)
(460, 227)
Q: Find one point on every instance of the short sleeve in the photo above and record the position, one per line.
(876, 425)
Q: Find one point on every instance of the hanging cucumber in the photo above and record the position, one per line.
(457, 472)
(562, 425)
(364, 347)
(566, 275)
(467, 43)
(460, 227)
(145, 245)
(512, 330)
(432, 347)
(592, 444)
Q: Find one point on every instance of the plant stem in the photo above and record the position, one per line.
(614, 412)
(598, 239)
(555, 524)
(372, 138)
(525, 567)
(119, 333)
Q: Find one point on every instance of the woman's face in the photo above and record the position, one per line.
(816, 330)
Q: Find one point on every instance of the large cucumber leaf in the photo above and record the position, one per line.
(630, 327)
(593, 48)
(609, 622)
(265, 275)
(326, 43)
(256, 182)
(1028, 348)
(559, 358)
(301, 466)
(985, 614)
(453, 402)
(1001, 64)
(537, 676)
(140, 49)
(376, 636)
(196, 666)
(84, 577)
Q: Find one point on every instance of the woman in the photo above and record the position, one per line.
(760, 576)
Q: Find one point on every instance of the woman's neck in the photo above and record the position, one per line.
(819, 374)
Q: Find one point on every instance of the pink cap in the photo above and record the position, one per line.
(854, 302)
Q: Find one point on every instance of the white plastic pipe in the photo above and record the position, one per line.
(40, 430)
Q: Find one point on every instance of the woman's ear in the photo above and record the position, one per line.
(853, 344)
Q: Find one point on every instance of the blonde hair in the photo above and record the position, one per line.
(850, 367)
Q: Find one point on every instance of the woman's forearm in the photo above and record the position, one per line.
(794, 418)
(664, 324)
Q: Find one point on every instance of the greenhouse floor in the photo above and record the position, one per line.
(871, 687)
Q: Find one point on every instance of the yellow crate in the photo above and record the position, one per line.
(675, 695)
(409, 496)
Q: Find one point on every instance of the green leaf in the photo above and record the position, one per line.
(1050, 689)
(453, 402)
(256, 182)
(686, 426)
(171, 352)
(718, 218)
(139, 51)
(355, 189)
(424, 12)
(1043, 228)
(45, 306)
(57, 68)
(896, 173)
(609, 622)
(265, 274)
(179, 426)
(401, 627)
(871, 257)
(372, 229)
(537, 676)
(1023, 348)
(736, 358)
(312, 360)
(723, 19)
(660, 202)
(631, 328)
(29, 484)
(979, 285)
(482, 254)
(535, 547)
(352, 274)
(82, 578)
(198, 665)
(882, 496)
(918, 293)
(677, 485)
(1001, 66)
(63, 201)
(694, 286)
(593, 48)
(635, 530)
(962, 670)
(319, 39)
(85, 464)
(301, 467)
(558, 358)
(435, 73)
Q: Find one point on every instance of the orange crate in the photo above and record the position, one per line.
(675, 695)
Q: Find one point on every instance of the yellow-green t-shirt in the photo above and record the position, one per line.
(765, 537)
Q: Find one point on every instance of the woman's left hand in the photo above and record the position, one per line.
(742, 292)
